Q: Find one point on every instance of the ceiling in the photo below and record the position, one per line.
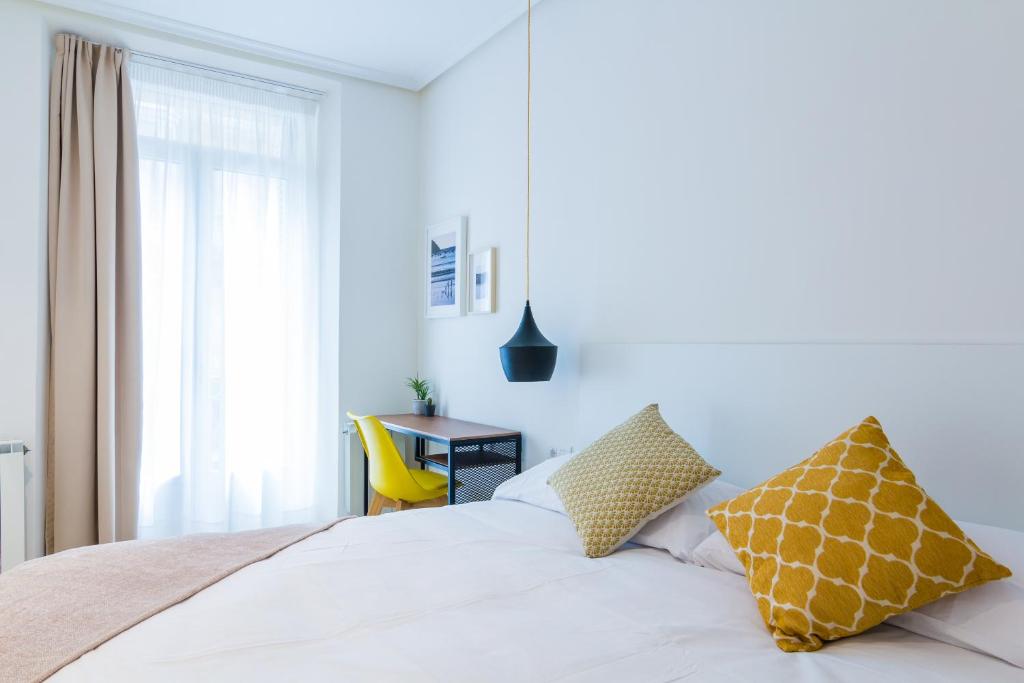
(406, 43)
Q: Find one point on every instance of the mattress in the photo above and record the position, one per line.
(494, 591)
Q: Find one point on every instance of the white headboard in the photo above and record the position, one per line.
(954, 412)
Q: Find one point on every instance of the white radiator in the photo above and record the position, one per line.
(12, 504)
(350, 472)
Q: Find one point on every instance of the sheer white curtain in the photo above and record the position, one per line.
(231, 332)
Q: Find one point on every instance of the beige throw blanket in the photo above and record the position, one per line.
(55, 609)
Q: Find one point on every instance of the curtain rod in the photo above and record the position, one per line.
(230, 74)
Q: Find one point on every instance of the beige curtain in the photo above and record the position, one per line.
(94, 418)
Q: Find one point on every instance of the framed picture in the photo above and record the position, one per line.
(482, 281)
(445, 255)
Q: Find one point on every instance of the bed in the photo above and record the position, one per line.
(495, 591)
(501, 590)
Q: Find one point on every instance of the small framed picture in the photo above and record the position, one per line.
(482, 281)
(445, 259)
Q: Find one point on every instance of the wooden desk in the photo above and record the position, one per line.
(479, 457)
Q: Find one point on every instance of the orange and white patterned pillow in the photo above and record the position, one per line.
(845, 540)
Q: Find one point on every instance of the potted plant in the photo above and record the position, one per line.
(420, 387)
(430, 406)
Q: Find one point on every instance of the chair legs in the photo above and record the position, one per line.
(432, 503)
(379, 502)
(439, 502)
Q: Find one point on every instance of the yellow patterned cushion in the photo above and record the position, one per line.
(627, 477)
(845, 540)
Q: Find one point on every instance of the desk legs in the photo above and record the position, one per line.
(452, 481)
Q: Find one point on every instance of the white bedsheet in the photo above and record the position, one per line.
(496, 591)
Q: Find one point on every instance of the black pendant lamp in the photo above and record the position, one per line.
(528, 356)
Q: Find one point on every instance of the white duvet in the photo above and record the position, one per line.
(496, 591)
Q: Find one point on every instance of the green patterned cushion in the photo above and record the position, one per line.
(626, 478)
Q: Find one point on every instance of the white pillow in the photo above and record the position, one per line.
(531, 486)
(986, 619)
(681, 529)
(715, 552)
(677, 530)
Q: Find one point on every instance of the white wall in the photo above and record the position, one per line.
(24, 72)
(730, 171)
(378, 262)
(368, 157)
(727, 171)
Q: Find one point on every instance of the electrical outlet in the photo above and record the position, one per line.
(556, 452)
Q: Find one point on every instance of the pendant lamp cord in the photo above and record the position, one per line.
(529, 130)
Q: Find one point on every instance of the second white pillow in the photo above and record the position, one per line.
(682, 528)
(678, 530)
(714, 552)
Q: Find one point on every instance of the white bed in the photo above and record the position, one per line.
(495, 591)
(501, 591)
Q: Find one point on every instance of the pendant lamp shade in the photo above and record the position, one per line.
(528, 356)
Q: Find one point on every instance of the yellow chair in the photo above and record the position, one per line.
(394, 484)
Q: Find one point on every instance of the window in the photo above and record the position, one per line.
(231, 290)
